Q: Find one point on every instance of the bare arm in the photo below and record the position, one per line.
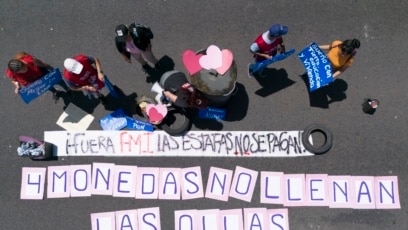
(170, 95)
(261, 54)
(325, 47)
(340, 71)
(98, 66)
(17, 85)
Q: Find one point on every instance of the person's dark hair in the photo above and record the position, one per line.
(15, 65)
(349, 46)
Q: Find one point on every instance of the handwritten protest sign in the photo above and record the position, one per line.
(40, 86)
(289, 190)
(317, 65)
(193, 144)
(212, 113)
(114, 121)
(118, 120)
(136, 124)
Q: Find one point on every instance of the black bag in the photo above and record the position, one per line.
(141, 31)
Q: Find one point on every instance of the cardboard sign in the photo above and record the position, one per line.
(114, 121)
(317, 65)
(40, 86)
(212, 113)
(279, 57)
(135, 124)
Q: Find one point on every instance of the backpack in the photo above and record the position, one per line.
(141, 31)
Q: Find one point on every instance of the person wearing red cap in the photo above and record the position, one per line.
(267, 44)
(134, 41)
(24, 69)
(84, 73)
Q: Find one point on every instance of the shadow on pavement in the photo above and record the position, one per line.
(273, 81)
(322, 97)
(166, 64)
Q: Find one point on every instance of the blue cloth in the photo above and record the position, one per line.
(261, 65)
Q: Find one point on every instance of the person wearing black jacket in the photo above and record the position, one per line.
(134, 41)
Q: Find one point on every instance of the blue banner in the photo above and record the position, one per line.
(40, 86)
(114, 121)
(135, 124)
(110, 87)
(279, 57)
(317, 65)
(212, 113)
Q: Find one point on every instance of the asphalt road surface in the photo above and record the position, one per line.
(363, 145)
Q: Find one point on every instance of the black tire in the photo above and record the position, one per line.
(319, 149)
(168, 123)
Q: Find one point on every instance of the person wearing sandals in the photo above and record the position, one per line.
(135, 41)
(341, 54)
(24, 69)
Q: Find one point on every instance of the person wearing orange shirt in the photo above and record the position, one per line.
(341, 54)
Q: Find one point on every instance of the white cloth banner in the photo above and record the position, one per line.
(193, 144)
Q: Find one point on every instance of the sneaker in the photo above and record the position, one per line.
(56, 96)
(250, 73)
(145, 68)
(103, 100)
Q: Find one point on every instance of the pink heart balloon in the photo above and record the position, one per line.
(191, 62)
(212, 59)
(227, 59)
(156, 112)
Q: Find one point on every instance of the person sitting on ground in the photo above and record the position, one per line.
(180, 92)
(24, 69)
(84, 73)
(341, 54)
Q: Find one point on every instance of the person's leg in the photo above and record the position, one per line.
(138, 57)
(148, 54)
(56, 94)
(141, 60)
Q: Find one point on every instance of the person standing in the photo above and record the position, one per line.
(135, 41)
(341, 54)
(268, 43)
(84, 73)
(24, 69)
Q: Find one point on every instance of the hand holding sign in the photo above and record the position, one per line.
(263, 64)
(317, 65)
(40, 86)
